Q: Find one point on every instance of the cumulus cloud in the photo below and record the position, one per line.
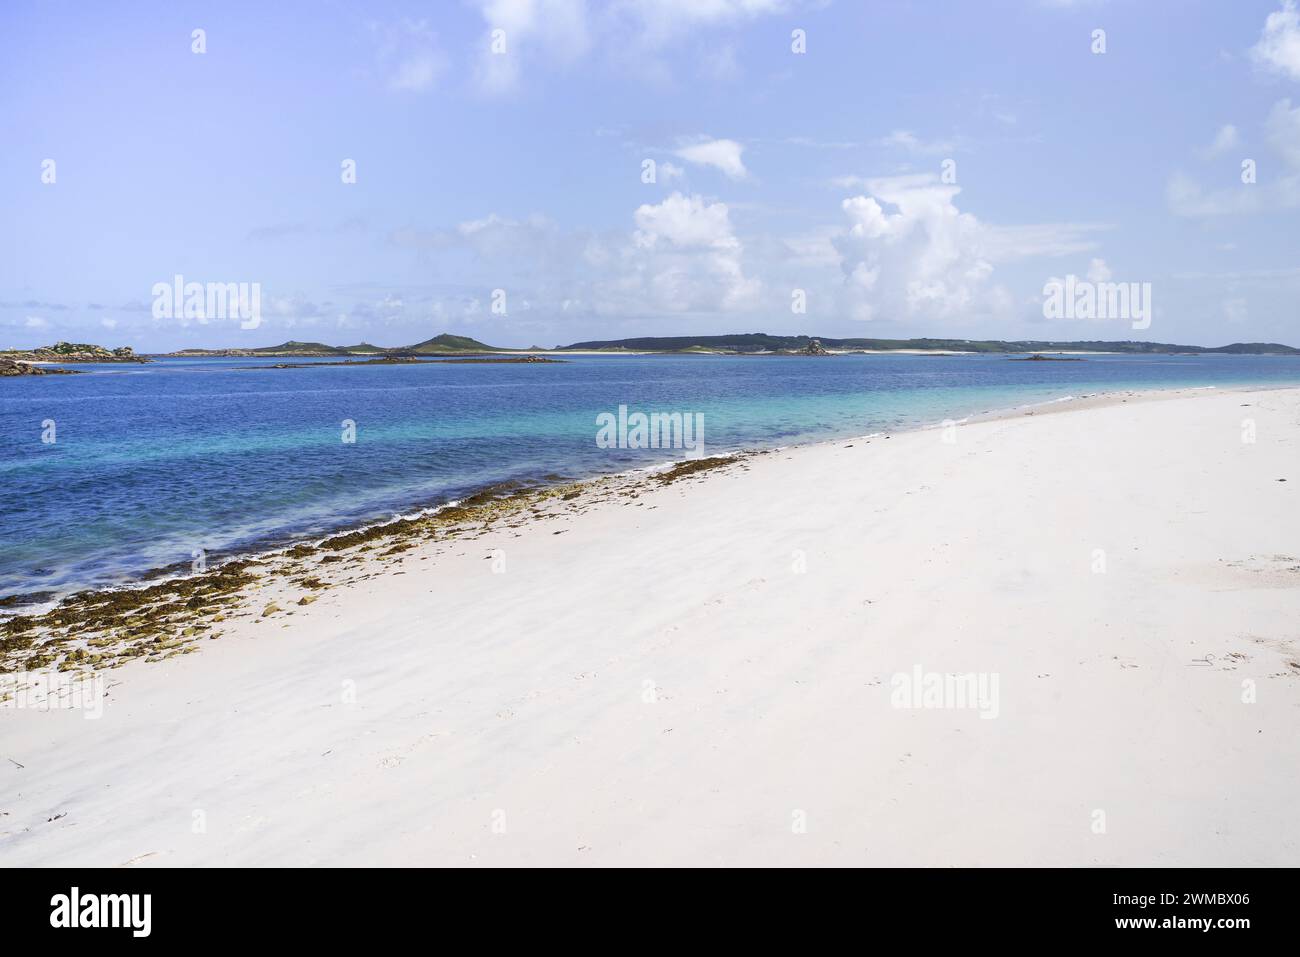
(910, 253)
(685, 221)
(1278, 49)
(924, 256)
(723, 155)
(686, 257)
(901, 249)
(681, 255)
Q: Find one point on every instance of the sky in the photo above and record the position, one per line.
(551, 171)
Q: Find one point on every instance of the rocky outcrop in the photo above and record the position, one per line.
(814, 348)
(77, 352)
(8, 367)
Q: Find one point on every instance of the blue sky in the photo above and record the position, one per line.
(522, 170)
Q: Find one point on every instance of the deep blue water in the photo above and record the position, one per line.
(154, 461)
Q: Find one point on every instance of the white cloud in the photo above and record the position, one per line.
(1098, 271)
(661, 20)
(1010, 243)
(907, 140)
(684, 221)
(1278, 49)
(553, 30)
(633, 32)
(720, 154)
(416, 74)
(670, 171)
(1282, 130)
(409, 59)
(1186, 197)
(1225, 140)
(910, 253)
(686, 257)
(720, 63)
(35, 322)
(926, 258)
(1277, 189)
(681, 256)
(901, 250)
(819, 144)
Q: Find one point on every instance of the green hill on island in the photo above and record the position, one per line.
(449, 343)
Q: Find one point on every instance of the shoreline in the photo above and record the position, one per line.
(664, 671)
(42, 600)
(57, 616)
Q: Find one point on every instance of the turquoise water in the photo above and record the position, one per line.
(152, 462)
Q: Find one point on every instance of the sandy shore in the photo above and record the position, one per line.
(703, 671)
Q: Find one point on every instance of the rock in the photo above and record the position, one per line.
(814, 348)
(8, 367)
(306, 599)
(271, 609)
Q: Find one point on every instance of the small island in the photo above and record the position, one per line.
(402, 360)
(73, 352)
(14, 367)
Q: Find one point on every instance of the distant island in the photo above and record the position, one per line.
(752, 343)
(738, 344)
(761, 342)
(445, 344)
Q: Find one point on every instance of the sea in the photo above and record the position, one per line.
(108, 476)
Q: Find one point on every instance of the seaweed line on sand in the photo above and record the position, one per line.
(106, 628)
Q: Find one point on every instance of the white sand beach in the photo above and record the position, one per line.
(703, 674)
